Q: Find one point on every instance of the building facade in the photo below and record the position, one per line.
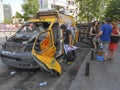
(52, 4)
(1, 12)
(7, 11)
(69, 6)
(72, 8)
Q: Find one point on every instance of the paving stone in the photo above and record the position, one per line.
(103, 75)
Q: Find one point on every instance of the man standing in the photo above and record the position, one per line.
(67, 35)
(67, 40)
(104, 34)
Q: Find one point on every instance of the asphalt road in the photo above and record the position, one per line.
(30, 79)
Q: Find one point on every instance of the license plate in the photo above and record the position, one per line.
(8, 53)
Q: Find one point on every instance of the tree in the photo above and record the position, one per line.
(91, 9)
(18, 15)
(30, 7)
(7, 21)
(113, 10)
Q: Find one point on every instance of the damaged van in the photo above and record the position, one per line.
(38, 42)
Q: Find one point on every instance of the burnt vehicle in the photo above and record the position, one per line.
(16, 51)
(38, 43)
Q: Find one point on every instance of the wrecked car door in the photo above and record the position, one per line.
(43, 52)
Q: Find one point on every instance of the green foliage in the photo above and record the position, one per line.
(113, 10)
(6, 21)
(18, 15)
(30, 7)
(91, 9)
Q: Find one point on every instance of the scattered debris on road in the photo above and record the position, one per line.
(13, 72)
(42, 84)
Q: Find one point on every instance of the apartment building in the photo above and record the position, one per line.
(7, 11)
(69, 6)
(1, 12)
(72, 8)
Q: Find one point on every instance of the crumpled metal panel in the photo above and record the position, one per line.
(13, 47)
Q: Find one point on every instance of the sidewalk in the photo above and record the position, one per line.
(103, 75)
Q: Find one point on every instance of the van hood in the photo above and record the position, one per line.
(25, 35)
(21, 37)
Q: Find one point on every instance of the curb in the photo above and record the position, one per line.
(75, 85)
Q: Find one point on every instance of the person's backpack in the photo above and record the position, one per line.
(70, 56)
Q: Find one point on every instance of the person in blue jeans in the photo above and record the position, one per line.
(104, 34)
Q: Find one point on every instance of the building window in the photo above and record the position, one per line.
(71, 11)
(71, 2)
(68, 2)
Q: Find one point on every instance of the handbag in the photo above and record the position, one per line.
(114, 39)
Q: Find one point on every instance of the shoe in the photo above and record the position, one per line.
(105, 60)
(69, 63)
(61, 61)
(110, 59)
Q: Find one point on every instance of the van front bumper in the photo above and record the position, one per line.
(18, 60)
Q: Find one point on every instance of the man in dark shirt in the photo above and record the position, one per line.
(67, 40)
(67, 35)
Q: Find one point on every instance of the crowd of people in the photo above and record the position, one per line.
(108, 34)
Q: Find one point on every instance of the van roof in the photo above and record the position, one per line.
(47, 13)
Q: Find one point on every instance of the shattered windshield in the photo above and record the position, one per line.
(32, 27)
